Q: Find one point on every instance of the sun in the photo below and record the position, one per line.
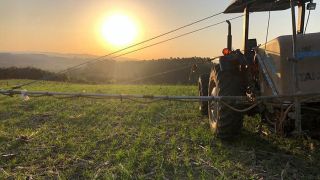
(119, 30)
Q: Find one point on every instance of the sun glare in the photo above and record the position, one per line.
(119, 30)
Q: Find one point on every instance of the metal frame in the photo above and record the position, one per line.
(246, 30)
(296, 29)
(266, 74)
(239, 99)
(301, 17)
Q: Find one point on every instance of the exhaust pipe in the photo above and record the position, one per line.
(229, 42)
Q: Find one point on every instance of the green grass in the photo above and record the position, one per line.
(81, 138)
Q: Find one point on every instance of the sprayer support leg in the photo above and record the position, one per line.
(297, 107)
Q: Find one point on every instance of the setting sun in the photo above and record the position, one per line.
(119, 30)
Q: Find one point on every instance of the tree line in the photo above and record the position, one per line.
(161, 71)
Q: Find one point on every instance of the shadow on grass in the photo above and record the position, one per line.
(269, 157)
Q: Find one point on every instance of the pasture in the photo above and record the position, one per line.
(77, 138)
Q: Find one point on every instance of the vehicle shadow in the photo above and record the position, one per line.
(272, 157)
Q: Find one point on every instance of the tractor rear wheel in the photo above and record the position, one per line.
(203, 83)
(225, 122)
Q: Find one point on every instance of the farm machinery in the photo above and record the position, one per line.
(280, 79)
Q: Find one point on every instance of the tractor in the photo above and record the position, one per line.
(281, 76)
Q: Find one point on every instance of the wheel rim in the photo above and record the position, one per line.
(213, 105)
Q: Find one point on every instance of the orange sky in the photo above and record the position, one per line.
(73, 26)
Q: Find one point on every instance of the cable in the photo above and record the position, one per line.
(179, 36)
(100, 58)
(169, 32)
(240, 110)
(170, 39)
(112, 53)
(284, 116)
(305, 29)
(265, 44)
(157, 74)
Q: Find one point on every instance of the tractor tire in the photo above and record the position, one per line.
(225, 122)
(203, 83)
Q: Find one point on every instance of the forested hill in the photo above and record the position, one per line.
(161, 71)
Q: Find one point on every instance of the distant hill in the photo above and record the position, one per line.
(44, 60)
(161, 71)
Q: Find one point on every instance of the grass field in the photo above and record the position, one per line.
(46, 137)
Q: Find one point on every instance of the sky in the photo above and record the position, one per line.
(74, 26)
